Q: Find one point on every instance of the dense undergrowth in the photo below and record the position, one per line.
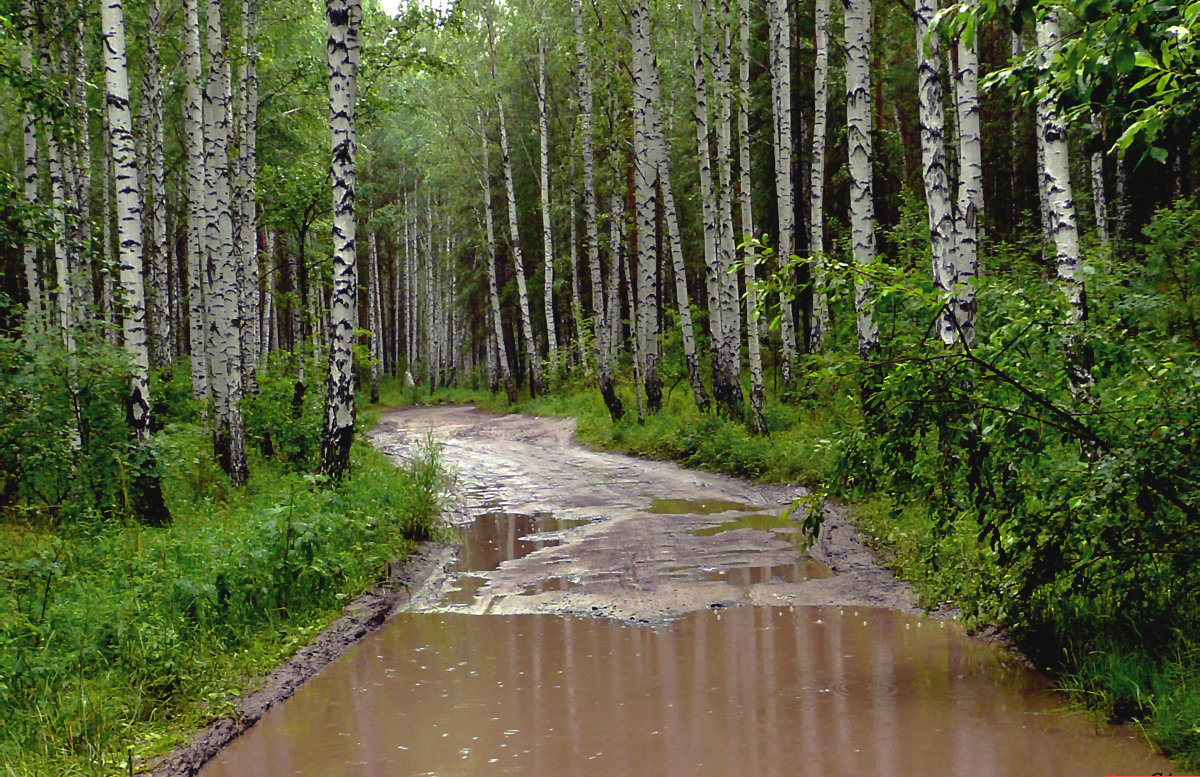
(118, 639)
(1068, 517)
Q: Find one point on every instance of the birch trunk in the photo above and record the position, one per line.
(862, 207)
(781, 99)
(155, 192)
(83, 168)
(30, 173)
(969, 220)
(247, 176)
(375, 318)
(819, 321)
(616, 263)
(547, 233)
(197, 250)
(344, 17)
(704, 158)
(63, 294)
(1099, 197)
(497, 319)
(576, 297)
(727, 350)
(757, 390)
(147, 500)
(933, 169)
(224, 293)
(645, 177)
(599, 311)
(1056, 177)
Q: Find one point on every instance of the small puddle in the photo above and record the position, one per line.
(757, 521)
(805, 568)
(696, 506)
(493, 538)
(809, 692)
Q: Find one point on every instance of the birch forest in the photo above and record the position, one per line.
(939, 261)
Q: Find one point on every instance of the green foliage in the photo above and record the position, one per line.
(284, 418)
(66, 454)
(106, 637)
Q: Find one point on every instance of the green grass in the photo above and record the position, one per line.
(121, 639)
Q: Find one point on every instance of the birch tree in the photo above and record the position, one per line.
(599, 310)
(33, 284)
(726, 347)
(224, 297)
(933, 168)
(345, 17)
(193, 132)
(514, 233)
(375, 317)
(547, 230)
(781, 100)
(645, 177)
(819, 322)
(862, 207)
(1060, 199)
(247, 175)
(969, 218)
(155, 178)
(757, 424)
(147, 498)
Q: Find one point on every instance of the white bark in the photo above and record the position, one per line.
(344, 17)
(197, 251)
(497, 321)
(547, 232)
(781, 100)
(969, 220)
(1099, 197)
(757, 390)
(819, 322)
(375, 317)
(155, 192)
(862, 207)
(933, 168)
(645, 177)
(514, 241)
(600, 310)
(63, 292)
(129, 221)
(1056, 178)
(247, 175)
(30, 172)
(727, 353)
(224, 293)
(576, 297)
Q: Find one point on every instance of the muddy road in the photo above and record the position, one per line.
(576, 531)
(721, 648)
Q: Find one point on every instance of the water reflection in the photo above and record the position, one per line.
(764, 691)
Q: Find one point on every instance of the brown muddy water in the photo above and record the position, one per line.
(721, 648)
(748, 690)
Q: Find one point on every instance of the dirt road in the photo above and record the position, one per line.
(610, 534)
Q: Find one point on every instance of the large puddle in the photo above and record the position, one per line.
(749, 690)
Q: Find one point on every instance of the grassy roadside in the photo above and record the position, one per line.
(121, 640)
(1155, 681)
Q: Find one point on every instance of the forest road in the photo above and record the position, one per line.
(550, 526)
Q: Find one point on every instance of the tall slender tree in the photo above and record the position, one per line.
(147, 492)
(345, 19)
(819, 322)
(547, 225)
(781, 91)
(224, 297)
(645, 178)
(862, 206)
(197, 250)
(746, 196)
(600, 311)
